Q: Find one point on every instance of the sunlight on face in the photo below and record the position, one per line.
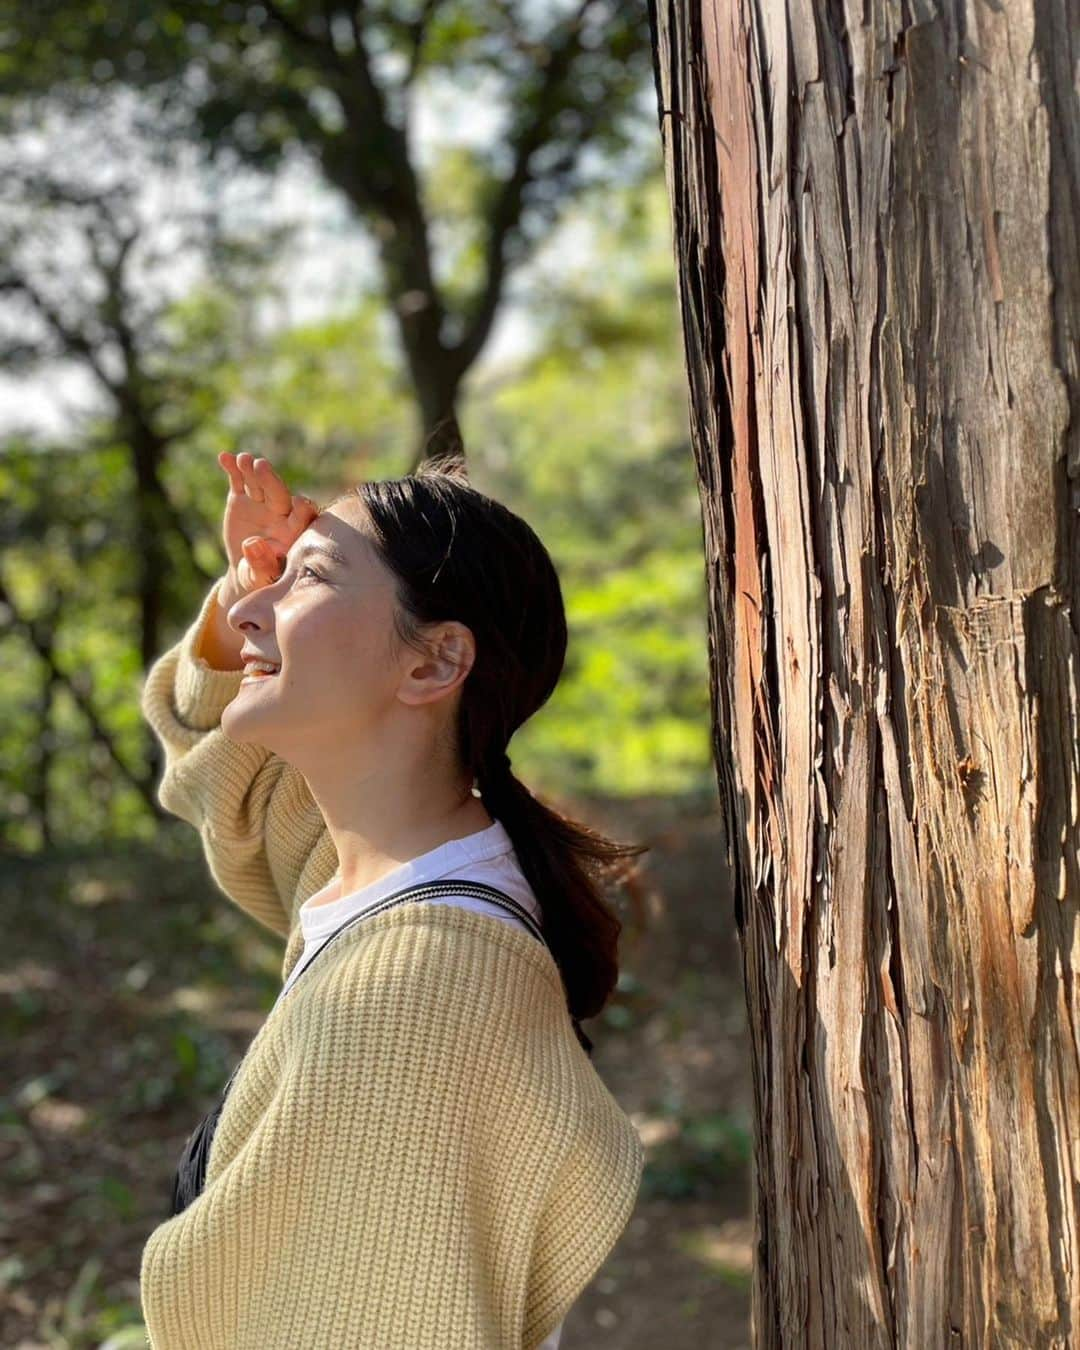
(328, 622)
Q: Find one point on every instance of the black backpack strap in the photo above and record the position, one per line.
(425, 890)
(477, 890)
(190, 1175)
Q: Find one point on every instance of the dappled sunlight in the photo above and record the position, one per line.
(654, 1130)
(58, 1117)
(726, 1248)
(26, 976)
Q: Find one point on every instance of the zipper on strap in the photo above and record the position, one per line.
(477, 890)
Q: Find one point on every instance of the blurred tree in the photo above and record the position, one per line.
(103, 307)
(91, 276)
(256, 80)
(59, 577)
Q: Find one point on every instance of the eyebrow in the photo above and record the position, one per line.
(328, 549)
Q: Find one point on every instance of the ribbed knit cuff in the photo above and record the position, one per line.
(201, 692)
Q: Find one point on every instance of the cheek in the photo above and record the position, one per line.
(341, 634)
(329, 639)
(361, 652)
(306, 632)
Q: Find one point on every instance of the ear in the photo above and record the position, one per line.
(444, 668)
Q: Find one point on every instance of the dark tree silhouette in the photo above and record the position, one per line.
(335, 81)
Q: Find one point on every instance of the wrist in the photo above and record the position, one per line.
(228, 593)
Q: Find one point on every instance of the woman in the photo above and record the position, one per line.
(415, 1151)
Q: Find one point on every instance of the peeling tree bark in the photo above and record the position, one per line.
(875, 212)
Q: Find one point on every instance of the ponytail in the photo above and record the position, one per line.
(566, 864)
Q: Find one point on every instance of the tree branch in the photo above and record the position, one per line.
(298, 32)
(506, 214)
(144, 786)
(416, 30)
(72, 339)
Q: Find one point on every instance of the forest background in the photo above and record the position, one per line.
(176, 281)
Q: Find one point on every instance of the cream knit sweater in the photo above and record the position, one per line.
(416, 1153)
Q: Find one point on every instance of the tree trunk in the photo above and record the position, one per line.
(875, 220)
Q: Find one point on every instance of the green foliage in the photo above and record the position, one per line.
(706, 1152)
(322, 401)
(586, 438)
(255, 84)
(590, 444)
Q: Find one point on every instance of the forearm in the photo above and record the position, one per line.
(220, 645)
(228, 790)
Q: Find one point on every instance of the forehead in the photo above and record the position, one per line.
(333, 536)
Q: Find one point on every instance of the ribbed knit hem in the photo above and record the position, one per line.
(202, 693)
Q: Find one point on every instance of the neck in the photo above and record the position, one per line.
(363, 860)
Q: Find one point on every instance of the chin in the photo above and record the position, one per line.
(233, 722)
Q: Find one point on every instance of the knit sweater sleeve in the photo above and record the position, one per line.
(393, 1188)
(254, 812)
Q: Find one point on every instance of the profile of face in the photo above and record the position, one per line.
(346, 685)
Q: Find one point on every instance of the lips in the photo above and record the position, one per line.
(249, 656)
(253, 674)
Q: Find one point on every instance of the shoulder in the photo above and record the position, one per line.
(437, 969)
(455, 1024)
(454, 1012)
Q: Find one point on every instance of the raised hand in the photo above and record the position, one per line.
(262, 521)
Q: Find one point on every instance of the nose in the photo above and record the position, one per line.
(244, 614)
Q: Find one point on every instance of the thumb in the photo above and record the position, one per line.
(261, 562)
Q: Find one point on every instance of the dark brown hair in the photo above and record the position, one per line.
(459, 554)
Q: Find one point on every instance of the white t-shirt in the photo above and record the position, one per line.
(487, 855)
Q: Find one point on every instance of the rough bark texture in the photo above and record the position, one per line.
(875, 213)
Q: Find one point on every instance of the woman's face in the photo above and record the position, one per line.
(327, 622)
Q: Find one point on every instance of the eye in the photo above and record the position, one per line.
(307, 572)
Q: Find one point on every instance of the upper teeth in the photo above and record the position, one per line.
(260, 665)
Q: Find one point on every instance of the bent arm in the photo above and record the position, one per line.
(254, 812)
